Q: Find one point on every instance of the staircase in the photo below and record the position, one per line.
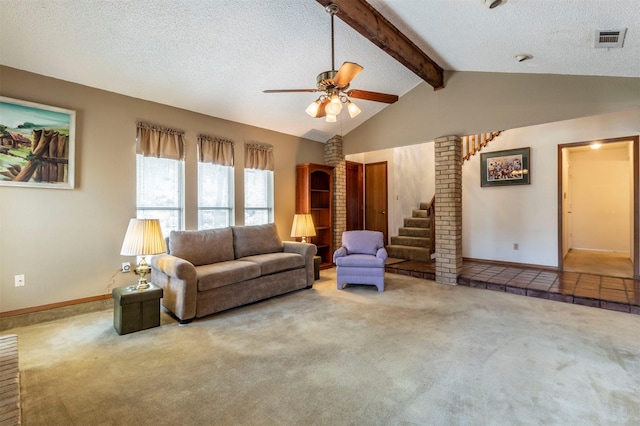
(415, 240)
(474, 143)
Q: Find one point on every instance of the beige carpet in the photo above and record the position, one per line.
(419, 353)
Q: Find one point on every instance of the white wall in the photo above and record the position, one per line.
(600, 203)
(479, 102)
(494, 218)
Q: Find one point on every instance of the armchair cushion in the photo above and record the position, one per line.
(362, 242)
(360, 260)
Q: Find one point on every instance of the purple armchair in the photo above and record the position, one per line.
(361, 259)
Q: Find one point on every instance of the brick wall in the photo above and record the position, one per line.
(333, 156)
(448, 162)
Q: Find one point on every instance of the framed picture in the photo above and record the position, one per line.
(511, 167)
(37, 145)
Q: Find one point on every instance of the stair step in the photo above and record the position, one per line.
(409, 253)
(419, 213)
(408, 231)
(417, 222)
(411, 241)
(424, 206)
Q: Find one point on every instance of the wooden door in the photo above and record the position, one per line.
(355, 196)
(375, 197)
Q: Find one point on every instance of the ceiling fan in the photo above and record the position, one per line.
(335, 84)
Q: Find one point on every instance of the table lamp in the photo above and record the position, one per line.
(143, 238)
(303, 227)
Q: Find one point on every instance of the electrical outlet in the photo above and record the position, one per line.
(516, 246)
(19, 280)
(126, 266)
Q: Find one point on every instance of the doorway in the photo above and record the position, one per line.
(375, 198)
(598, 207)
(355, 196)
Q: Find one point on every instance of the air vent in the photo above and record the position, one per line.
(610, 38)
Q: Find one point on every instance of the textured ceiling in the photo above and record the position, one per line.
(216, 56)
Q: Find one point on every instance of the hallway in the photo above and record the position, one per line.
(599, 263)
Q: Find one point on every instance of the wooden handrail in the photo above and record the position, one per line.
(472, 144)
(431, 211)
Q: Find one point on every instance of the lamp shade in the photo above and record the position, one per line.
(335, 106)
(143, 237)
(303, 226)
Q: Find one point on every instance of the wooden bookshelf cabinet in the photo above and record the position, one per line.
(314, 194)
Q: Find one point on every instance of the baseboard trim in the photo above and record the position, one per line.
(50, 306)
(511, 264)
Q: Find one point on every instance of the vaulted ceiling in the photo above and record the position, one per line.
(217, 56)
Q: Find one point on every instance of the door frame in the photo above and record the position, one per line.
(636, 198)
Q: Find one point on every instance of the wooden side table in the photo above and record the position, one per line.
(135, 310)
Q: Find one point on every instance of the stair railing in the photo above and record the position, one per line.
(431, 212)
(472, 144)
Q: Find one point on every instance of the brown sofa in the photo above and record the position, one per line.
(212, 270)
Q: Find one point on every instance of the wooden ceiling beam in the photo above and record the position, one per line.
(363, 18)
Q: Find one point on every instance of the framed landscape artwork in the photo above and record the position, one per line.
(509, 167)
(37, 145)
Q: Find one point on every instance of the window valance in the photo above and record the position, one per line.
(160, 142)
(215, 150)
(258, 156)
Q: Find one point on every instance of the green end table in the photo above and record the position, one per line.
(135, 310)
(316, 267)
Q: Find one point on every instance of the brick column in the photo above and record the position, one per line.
(333, 156)
(448, 161)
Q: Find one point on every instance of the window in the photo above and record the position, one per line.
(258, 197)
(215, 182)
(159, 191)
(215, 196)
(160, 176)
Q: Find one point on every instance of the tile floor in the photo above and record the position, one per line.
(598, 291)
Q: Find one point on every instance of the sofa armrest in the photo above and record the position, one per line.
(341, 252)
(382, 253)
(306, 250)
(178, 279)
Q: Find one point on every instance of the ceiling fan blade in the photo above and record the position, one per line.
(346, 73)
(289, 90)
(322, 112)
(372, 96)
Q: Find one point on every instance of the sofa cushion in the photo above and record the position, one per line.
(202, 247)
(271, 263)
(362, 242)
(224, 273)
(252, 240)
(360, 260)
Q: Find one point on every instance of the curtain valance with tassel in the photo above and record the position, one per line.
(215, 150)
(258, 156)
(160, 142)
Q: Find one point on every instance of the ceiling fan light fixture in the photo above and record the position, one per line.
(312, 109)
(521, 57)
(493, 3)
(331, 118)
(353, 109)
(334, 106)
